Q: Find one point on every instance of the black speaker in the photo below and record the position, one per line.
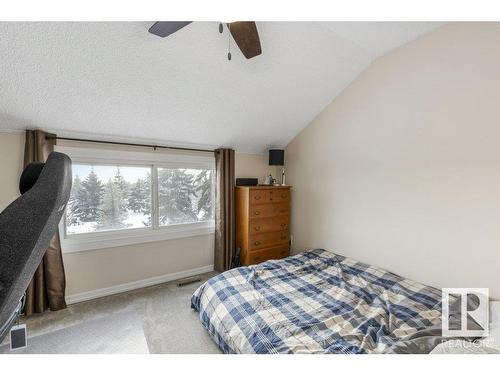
(277, 157)
(247, 181)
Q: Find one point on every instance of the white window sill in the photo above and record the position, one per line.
(96, 241)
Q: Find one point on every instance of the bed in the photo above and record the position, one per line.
(314, 302)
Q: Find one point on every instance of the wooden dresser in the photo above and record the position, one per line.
(262, 222)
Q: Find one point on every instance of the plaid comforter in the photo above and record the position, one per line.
(314, 302)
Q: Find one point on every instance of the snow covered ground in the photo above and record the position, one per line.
(134, 220)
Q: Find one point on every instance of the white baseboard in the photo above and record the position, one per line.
(120, 288)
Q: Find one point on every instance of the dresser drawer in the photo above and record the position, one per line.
(273, 253)
(258, 196)
(279, 195)
(266, 210)
(271, 224)
(259, 241)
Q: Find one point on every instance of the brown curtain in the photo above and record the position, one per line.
(47, 288)
(224, 209)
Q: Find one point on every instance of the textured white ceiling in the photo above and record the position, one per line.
(115, 80)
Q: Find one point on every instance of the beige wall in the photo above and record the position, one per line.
(252, 165)
(402, 170)
(11, 165)
(96, 269)
(105, 268)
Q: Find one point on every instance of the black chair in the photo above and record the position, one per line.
(26, 228)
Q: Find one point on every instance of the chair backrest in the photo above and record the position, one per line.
(26, 227)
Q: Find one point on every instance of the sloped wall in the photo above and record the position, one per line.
(402, 170)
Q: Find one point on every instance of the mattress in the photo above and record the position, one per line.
(314, 302)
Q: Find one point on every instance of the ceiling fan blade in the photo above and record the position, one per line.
(165, 28)
(246, 37)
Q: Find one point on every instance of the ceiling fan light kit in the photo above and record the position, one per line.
(244, 33)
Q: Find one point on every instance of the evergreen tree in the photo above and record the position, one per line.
(146, 209)
(71, 217)
(121, 184)
(204, 192)
(114, 205)
(175, 188)
(87, 200)
(139, 197)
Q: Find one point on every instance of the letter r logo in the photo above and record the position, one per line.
(465, 312)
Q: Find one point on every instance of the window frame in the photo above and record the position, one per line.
(73, 243)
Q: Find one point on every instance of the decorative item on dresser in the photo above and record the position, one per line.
(262, 222)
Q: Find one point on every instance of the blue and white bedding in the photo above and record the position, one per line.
(314, 302)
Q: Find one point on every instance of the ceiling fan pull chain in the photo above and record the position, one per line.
(229, 42)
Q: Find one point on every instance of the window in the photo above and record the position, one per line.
(185, 195)
(105, 197)
(121, 198)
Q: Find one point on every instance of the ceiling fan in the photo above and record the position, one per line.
(245, 34)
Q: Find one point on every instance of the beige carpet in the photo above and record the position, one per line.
(119, 333)
(164, 311)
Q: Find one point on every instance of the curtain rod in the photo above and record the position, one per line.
(154, 147)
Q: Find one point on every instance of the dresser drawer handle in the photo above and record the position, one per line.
(284, 195)
(256, 213)
(257, 228)
(283, 225)
(257, 197)
(256, 243)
